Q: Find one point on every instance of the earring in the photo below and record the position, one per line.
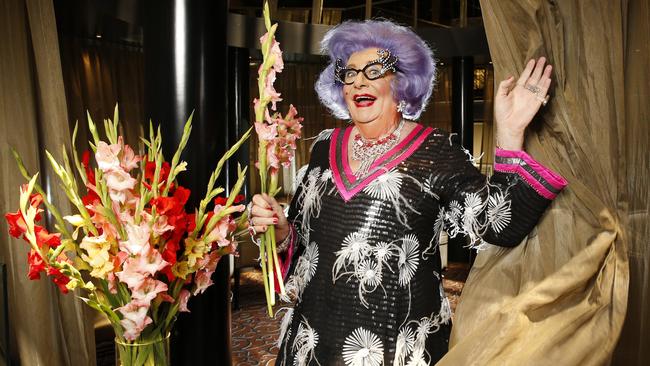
(401, 106)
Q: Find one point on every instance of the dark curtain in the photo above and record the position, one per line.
(98, 74)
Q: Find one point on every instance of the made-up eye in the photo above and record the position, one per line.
(373, 71)
(349, 74)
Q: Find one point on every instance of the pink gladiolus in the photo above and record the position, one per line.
(112, 282)
(130, 276)
(148, 291)
(138, 237)
(163, 296)
(135, 319)
(183, 297)
(160, 226)
(202, 280)
(225, 225)
(275, 52)
(265, 131)
(118, 181)
(149, 261)
(107, 156)
(271, 155)
(269, 90)
(129, 158)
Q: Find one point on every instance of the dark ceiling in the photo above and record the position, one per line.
(120, 20)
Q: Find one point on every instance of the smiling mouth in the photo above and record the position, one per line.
(364, 100)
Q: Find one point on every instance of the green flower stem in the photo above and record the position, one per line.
(274, 252)
(72, 195)
(177, 155)
(212, 193)
(264, 276)
(51, 208)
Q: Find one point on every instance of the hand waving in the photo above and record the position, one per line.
(515, 105)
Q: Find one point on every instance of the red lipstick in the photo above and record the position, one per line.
(363, 100)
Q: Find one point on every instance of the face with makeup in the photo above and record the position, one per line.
(370, 101)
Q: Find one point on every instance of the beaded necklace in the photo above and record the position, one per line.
(367, 151)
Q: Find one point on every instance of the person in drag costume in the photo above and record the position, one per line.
(360, 241)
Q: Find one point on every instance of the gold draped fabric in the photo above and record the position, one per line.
(46, 327)
(560, 298)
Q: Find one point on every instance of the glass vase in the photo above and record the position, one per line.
(142, 353)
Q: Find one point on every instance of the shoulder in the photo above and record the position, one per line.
(323, 138)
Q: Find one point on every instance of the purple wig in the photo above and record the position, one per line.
(416, 68)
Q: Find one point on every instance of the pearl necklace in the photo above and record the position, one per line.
(367, 151)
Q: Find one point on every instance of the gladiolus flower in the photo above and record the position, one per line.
(160, 226)
(17, 225)
(58, 278)
(36, 265)
(202, 280)
(275, 52)
(148, 290)
(138, 237)
(183, 298)
(130, 276)
(135, 319)
(149, 261)
(107, 156)
(97, 256)
(265, 131)
(129, 158)
(269, 90)
(194, 249)
(43, 237)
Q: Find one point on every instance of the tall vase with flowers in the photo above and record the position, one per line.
(130, 250)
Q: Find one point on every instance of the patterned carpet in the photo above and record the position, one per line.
(254, 334)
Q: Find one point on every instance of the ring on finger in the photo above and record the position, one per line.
(544, 100)
(532, 88)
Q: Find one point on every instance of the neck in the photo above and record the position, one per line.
(376, 129)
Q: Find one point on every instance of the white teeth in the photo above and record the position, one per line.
(363, 98)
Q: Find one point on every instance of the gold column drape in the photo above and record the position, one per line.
(47, 328)
(560, 298)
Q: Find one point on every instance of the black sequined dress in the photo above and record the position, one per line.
(365, 267)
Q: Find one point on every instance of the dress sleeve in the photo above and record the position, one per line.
(499, 210)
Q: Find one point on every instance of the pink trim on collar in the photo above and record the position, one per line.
(358, 186)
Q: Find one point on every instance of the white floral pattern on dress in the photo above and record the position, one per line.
(355, 247)
(410, 348)
(498, 212)
(409, 259)
(363, 348)
(387, 187)
(305, 269)
(304, 344)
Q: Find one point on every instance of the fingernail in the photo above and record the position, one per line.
(275, 221)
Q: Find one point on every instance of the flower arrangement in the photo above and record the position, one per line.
(277, 137)
(131, 247)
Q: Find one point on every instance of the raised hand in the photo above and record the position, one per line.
(515, 104)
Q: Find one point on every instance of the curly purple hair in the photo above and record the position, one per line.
(416, 68)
